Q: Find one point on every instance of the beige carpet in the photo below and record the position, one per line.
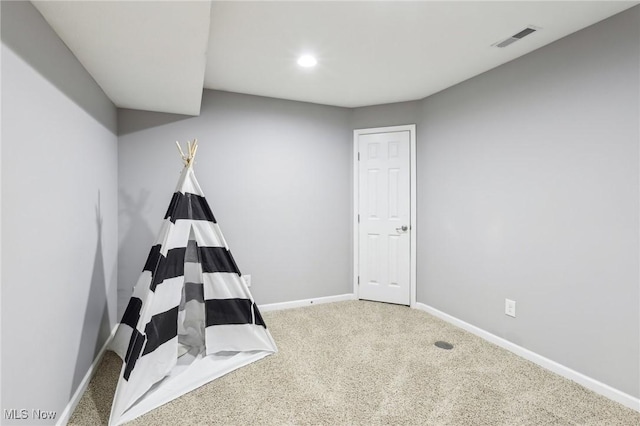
(365, 363)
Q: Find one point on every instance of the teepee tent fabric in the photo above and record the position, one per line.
(191, 318)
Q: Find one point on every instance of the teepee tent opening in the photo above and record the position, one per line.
(191, 318)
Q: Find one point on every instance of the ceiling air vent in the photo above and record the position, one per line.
(504, 43)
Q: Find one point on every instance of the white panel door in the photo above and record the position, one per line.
(384, 258)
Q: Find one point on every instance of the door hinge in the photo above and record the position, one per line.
(358, 156)
(358, 279)
(358, 218)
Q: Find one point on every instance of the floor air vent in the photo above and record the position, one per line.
(504, 43)
(443, 345)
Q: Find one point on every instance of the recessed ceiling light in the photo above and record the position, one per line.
(307, 61)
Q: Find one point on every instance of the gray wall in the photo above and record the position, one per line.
(276, 174)
(387, 115)
(528, 189)
(59, 216)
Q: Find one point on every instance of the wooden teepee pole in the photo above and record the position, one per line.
(192, 148)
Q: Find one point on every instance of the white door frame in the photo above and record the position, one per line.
(411, 128)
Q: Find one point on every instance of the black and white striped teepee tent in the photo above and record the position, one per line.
(191, 318)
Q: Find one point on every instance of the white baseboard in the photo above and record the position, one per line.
(305, 302)
(586, 381)
(82, 387)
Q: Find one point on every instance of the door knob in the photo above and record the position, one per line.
(403, 228)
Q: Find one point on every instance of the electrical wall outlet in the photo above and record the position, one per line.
(510, 307)
(247, 280)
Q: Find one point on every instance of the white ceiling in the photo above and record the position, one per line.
(147, 55)
(158, 55)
